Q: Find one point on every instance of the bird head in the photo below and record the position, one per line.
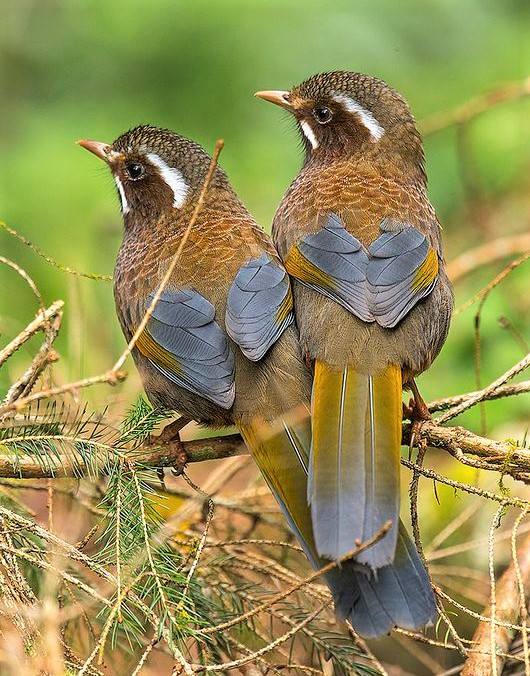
(156, 171)
(354, 114)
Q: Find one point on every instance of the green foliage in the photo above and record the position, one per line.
(58, 432)
(153, 593)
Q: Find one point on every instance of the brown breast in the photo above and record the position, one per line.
(359, 194)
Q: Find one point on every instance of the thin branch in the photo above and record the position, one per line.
(41, 321)
(499, 393)
(488, 253)
(302, 583)
(507, 611)
(262, 651)
(160, 290)
(50, 260)
(483, 394)
(44, 357)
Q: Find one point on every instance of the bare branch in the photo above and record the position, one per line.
(507, 609)
(498, 393)
(491, 252)
(41, 321)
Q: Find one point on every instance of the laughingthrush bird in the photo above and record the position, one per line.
(361, 241)
(221, 347)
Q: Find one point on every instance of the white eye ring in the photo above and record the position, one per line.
(134, 170)
(322, 114)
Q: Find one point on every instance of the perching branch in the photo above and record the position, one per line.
(24, 466)
(505, 456)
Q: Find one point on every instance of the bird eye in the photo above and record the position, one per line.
(322, 114)
(134, 170)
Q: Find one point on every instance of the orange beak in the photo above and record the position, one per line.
(278, 97)
(104, 151)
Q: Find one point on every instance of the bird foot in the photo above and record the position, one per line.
(177, 450)
(170, 437)
(417, 412)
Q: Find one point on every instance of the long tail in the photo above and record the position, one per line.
(354, 468)
(399, 595)
(281, 452)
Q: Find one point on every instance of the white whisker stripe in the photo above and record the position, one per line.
(309, 133)
(124, 203)
(366, 117)
(173, 178)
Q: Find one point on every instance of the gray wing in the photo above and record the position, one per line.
(402, 269)
(381, 283)
(185, 343)
(259, 306)
(333, 262)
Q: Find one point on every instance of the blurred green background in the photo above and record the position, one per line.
(75, 69)
(93, 69)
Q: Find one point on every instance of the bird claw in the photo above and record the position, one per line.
(418, 413)
(178, 451)
(170, 437)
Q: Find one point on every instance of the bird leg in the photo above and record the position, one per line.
(417, 412)
(420, 410)
(170, 437)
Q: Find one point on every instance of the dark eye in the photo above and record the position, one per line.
(134, 170)
(322, 114)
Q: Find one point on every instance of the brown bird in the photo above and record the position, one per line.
(360, 239)
(221, 347)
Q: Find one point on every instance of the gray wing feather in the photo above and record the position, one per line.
(338, 254)
(253, 314)
(375, 284)
(183, 324)
(395, 258)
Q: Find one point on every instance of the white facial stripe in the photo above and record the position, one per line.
(310, 134)
(173, 179)
(366, 117)
(124, 203)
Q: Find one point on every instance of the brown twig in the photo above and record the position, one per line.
(483, 394)
(44, 357)
(156, 296)
(507, 609)
(49, 259)
(482, 294)
(488, 253)
(305, 581)
(41, 321)
(505, 456)
(498, 393)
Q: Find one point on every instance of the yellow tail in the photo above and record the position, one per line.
(281, 451)
(354, 467)
(400, 594)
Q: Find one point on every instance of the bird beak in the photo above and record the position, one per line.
(104, 151)
(277, 97)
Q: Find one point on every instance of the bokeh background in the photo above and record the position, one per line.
(74, 69)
